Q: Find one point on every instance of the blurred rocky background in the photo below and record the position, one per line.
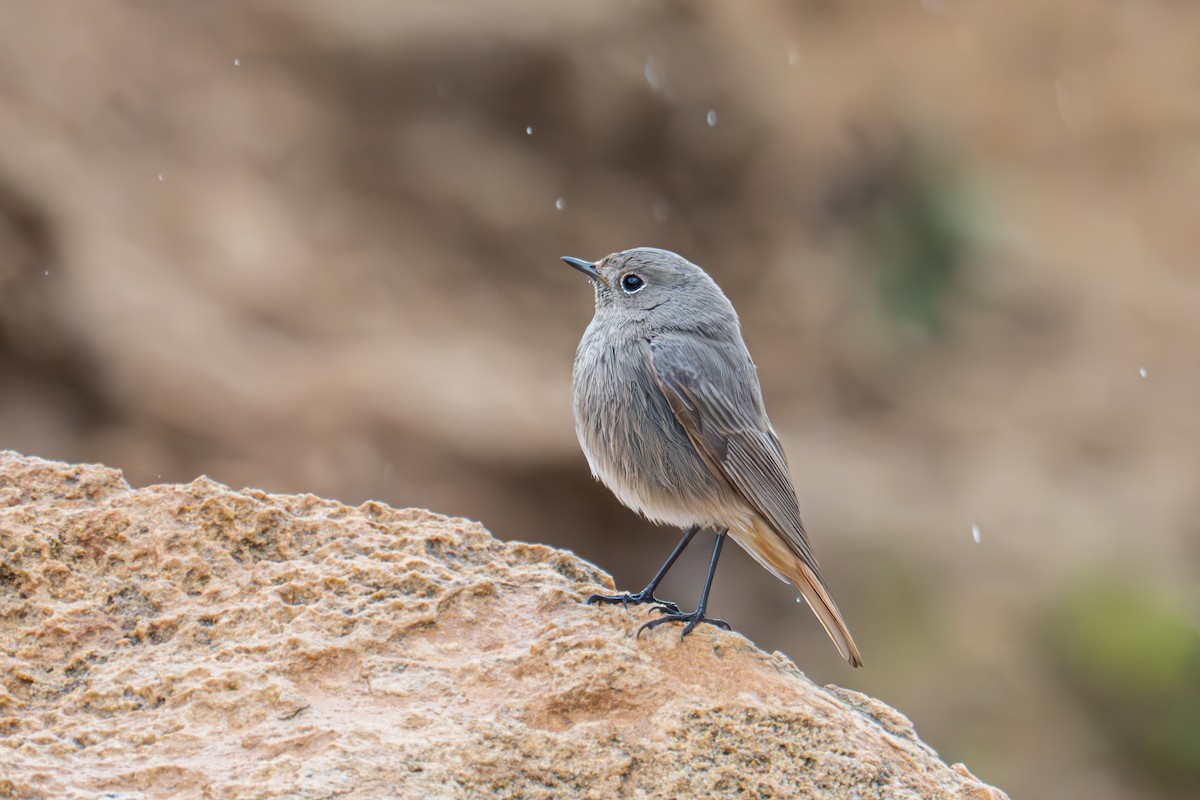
(313, 247)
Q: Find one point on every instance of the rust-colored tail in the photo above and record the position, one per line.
(770, 549)
(823, 606)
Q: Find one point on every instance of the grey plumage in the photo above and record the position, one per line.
(669, 413)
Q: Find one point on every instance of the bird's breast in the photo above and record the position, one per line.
(633, 442)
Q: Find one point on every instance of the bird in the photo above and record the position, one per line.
(670, 416)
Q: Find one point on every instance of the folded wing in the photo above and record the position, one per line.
(721, 412)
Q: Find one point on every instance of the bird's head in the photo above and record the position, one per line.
(654, 286)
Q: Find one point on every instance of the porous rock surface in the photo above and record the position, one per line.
(193, 641)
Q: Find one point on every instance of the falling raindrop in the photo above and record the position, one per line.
(560, 204)
(793, 54)
(529, 130)
(237, 62)
(160, 176)
(661, 210)
(1074, 104)
(654, 76)
(712, 118)
(1143, 372)
(975, 533)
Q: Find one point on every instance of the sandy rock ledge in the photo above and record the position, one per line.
(196, 642)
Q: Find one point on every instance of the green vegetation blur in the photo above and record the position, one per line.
(1132, 653)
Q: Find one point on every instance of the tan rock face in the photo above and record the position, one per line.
(191, 641)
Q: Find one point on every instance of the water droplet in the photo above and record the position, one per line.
(1074, 105)
(654, 76)
(46, 273)
(975, 533)
(661, 211)
(1143, 372)
(560, 204)
(793, 53)
(160, 176)
(712, 118)
(529, 130)
(237, 62)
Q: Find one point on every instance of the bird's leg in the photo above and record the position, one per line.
(696, 617)
(647, 595)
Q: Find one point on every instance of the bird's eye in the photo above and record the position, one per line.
(632, 283)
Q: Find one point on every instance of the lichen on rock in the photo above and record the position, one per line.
(192, 641)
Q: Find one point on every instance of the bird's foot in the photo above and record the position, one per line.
(626, 599)
(691, 619)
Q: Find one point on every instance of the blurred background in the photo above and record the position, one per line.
(313, 247)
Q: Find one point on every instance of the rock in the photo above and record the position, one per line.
(191, 641)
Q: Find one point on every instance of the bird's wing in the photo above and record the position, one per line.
(721, 412)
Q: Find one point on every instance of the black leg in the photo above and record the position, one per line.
(647, 595)
(696, 617)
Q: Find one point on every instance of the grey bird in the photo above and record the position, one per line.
(669, 413)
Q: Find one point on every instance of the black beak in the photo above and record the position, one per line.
(587, 268)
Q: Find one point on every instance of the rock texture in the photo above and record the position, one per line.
(192, 641)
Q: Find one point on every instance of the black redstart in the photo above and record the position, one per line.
(670, 415)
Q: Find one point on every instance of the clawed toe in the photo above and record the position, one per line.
(692, 620)
(626, 599)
